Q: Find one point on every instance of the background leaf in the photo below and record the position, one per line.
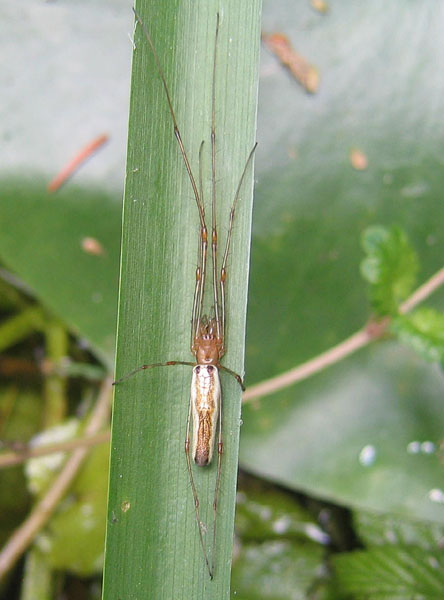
(276, 570)
(377, 530)
(391, 573)
(306, 292)
(423, 331)
(41, 240)
(279, 546)
(390, 267)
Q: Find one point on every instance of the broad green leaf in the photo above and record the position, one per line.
(391, 573)
(306, 292)
(75, 63)
(390, 267)
(42, 240)
(74, 60)
(423, 331)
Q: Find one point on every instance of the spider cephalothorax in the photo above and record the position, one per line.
(208, 347)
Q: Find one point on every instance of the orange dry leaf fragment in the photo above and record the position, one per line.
(299, 67)
(92, 246)
(75, 163)
(321, 6)
(358, 159)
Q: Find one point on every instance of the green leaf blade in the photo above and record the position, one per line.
(152, 547)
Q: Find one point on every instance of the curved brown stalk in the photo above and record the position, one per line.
(370, 332)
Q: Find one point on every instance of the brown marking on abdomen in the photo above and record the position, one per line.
(202, 454)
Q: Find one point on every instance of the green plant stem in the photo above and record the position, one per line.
(55, 384)
(20, 326)
(37, 579)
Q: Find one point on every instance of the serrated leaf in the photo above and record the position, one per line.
(276, 570)
(375, 529)
(392, 573)
(264, 514)
(423, 331)
(390, 267)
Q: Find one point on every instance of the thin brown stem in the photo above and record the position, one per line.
(356, 341)
(15, 457)
(24, 535)
(423, 292)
